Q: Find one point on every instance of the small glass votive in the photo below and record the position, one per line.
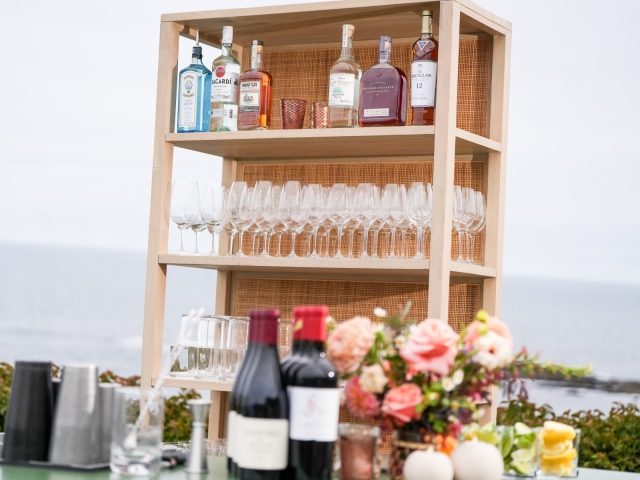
(518, 446)
(558, 452)
(319, 115)
(216, 454)
(358, 451)
(292, 113)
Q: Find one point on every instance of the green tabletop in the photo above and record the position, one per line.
(218, 472)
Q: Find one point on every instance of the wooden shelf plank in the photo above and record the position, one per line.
(197, 383)
(354, 266)
(311, 143)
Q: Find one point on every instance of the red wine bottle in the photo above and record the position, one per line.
(261, 424)
(314, 399)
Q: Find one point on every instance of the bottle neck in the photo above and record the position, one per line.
(385, 57)
(196, 60)
(427, 27)
(347, 46)
(309, 347)
(256, 60)
(227, 50)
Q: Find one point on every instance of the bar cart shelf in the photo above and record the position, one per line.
(467, 146)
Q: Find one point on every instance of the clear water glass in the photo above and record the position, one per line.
(235, 346)
(186, 363)
(136, 450)
(211, 334)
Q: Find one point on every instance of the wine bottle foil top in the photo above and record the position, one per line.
(314, 325)
(264, 314)
(263, 325)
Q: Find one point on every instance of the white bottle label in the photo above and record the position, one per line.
(188, 99)
(250, 96)
(342, 90)
(423, 83)
(314, 413)
(231, 426)
(262, 443)
(376, 112)
(224, 83)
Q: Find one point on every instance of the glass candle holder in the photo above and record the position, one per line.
(358, 451)
(292, 113)
(558, 448)
(319, 115)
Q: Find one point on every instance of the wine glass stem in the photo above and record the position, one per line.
(328, 235)
(364, 253)
(239, 252)
(293, 244)
(351, 235)
(181, 238)
(213, 243)
(339, 246)
(265, 250)
(315, 242)
(392, 251)
(279, 242)
(402, 245)
(460, 237)
(374, 247)
(472, 250)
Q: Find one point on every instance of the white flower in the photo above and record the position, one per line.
(458, 376)
(380, 312)
(493, 351)
(400, 340)
(447, 384)
(380, 328)
(478, 414)
(373, 379)
(328, 320)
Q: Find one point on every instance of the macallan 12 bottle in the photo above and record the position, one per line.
(383, 92)
(224, 87)
(255, 94)
(344, 84)
(194, 94)
(423, 74)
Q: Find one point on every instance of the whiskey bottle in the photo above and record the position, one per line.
(423, 74)
(383, 94)
(255, 93)
(194, 93)
(225, 80)
(344, 84)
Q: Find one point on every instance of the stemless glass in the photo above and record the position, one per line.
(339, 212)
(213, 211)
(211, 334)
(185, 206)
(186, 363)
(234, 346)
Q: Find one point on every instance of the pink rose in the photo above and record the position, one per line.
(478, 329)
(400, 403)
(361, 404)
(431, 347)
(349, 344)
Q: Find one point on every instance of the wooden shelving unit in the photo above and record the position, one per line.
(317, 26)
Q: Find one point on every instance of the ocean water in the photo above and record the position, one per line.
(82, 305)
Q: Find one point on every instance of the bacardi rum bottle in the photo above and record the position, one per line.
(383, 94)
(344, 84)
(194, 94)
(255, 93)
(225, 81)
(423, 74)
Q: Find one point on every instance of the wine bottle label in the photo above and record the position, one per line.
(231, 426)
(188, 99)
(224, 83)
(262, 443)
(314, 413)
(376, 112)
(423, 83)
(341, 90)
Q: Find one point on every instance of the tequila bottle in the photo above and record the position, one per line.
(255, 93)
(194, 94)
(383, 95)
(225, 81)
(423, 74)
(344, 84)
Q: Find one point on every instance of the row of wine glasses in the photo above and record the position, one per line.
(468, 218)
(266, 210)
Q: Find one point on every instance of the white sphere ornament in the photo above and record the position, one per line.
(427, 465)
(474, 460)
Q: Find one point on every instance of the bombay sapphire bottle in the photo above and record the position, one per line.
(194, 92)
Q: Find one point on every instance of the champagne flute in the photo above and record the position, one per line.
(185, 207)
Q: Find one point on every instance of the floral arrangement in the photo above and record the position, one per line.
(425, 379)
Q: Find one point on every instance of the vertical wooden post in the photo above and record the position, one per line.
(497, 171)
(444, 159)
(160, 194)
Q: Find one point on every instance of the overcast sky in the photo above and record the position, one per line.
(77, 96)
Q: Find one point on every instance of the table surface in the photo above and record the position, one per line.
(218, 472)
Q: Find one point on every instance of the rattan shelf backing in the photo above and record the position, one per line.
(304, 74)
(467, 174)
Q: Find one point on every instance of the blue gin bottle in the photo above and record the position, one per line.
(194, 95)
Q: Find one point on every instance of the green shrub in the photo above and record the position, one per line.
(177, 420)
(608, 441)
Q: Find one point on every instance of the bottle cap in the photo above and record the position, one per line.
(427, 13)
(227, 35)
(385, 43)
(348, 28)
(263, 325)
(257, 42)
(196, 52)
(314, 326)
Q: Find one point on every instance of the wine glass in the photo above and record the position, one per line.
(185, 207)
(354, 221)
(378, 221)
(339, 212)
(261, 193)
(479, 222)
(239, 210)
(394, 198)
(419, 212)
(314, 205)
(327, 223)
(213, 211)
(366, 211)
(289, 204)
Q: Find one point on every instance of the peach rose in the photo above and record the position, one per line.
(479, 328)
(431, 347)
(360, 403)
(400, 403)
(349, 343)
